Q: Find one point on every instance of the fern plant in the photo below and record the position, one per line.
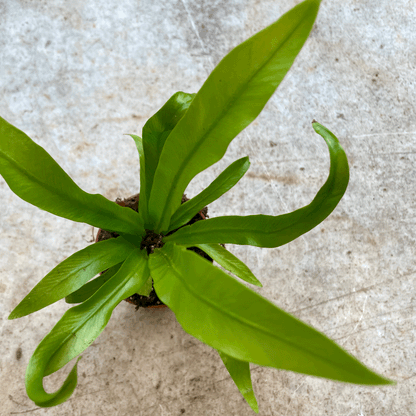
(187, 135)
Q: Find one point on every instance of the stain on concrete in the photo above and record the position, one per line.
(287, 180)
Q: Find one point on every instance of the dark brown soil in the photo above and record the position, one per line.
(150, 242)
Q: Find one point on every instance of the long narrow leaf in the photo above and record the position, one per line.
(143, 194)
(155, 132)
(240, 373)
(230, 262)
(86, 291)
(72, 273)
(225, 314)
(270, 231)
(79, 327)
(230, 99)
(223, 183)
(34, 176)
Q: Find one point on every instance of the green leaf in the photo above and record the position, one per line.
(72, 273)
(86, 291)
(143, 194)
(139, 145)
(230, 99)
(146, 288)
(34, 176)
(78, 328)
(223, 183)
(240, 373)
(155, 132)
(270, 231)
(231, 263)
(225, 314)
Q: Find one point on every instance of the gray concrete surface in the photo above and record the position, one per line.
(77, 75)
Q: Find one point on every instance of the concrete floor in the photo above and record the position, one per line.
(76, 76)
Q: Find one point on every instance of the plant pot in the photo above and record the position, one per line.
(151, 301)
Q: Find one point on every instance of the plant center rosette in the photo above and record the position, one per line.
(150, 241)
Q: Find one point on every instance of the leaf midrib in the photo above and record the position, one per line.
(217, 120)
(246, 229)
(190, 206)
(243, 230)
(58, 191)
(37, 180)
(84, 266)
(93, 312)
(238, 318)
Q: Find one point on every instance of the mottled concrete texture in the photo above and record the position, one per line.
(77, 75)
